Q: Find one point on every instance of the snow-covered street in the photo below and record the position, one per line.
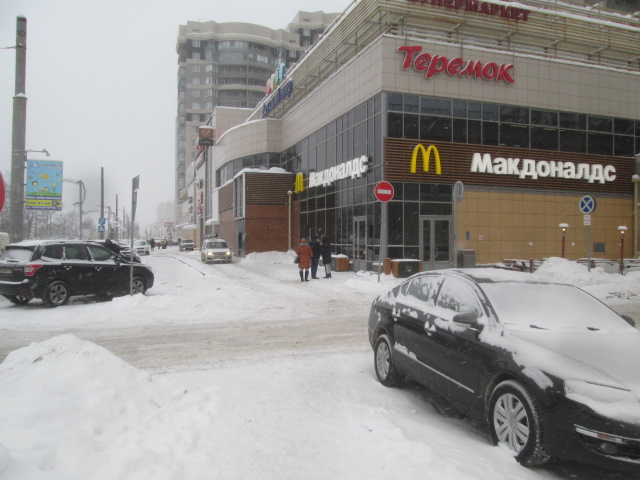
(235, 372)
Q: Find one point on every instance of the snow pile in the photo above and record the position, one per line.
(68, 406)
(597, 282)
(272, 258)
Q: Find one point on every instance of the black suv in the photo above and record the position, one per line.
(55, 270)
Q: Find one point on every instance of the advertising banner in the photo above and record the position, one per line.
(44, 185)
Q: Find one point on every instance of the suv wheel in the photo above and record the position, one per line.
(139, 285)
(57, 293)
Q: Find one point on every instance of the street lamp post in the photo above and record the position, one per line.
(81, 194)
(564, 227)
(622, 229)
(289, 243)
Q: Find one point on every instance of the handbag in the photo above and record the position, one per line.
(297, 259)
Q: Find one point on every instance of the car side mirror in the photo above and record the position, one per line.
(629, 320)
(469, 318)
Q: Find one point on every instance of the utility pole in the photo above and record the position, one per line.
(18, 154)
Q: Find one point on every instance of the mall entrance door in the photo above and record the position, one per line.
(359, 250)
(435, 242)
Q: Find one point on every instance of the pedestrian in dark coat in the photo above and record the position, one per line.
(152, 242)
(326, 255)
(316, 248)
(305, 255)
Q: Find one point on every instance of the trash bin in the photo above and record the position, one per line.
(404, 268)
(466, 259)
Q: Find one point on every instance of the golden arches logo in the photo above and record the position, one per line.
(426, 158)
(299, 183)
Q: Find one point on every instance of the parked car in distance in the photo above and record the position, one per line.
(142, 247)
(187, 245)
(215, 250)
(54, 271)
(551, 370)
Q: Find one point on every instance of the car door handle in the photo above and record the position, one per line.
(97, 269)
(68, 267)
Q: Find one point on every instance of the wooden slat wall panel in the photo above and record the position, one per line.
(268, 188)
(225, 197)
(456, 165)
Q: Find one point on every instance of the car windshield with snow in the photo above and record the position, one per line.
(552, 370)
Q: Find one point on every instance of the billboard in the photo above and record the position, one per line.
(44, 185)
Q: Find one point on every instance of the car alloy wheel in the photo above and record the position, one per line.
(138, 285)
(514, 421)
(383, 361)
(56, 294)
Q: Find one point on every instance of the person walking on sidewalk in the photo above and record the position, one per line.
(326, 255)
(305, 254)
(316, 248)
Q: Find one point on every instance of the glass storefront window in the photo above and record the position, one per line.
(489, 133)
(395, 234)
(459, 130)
(514, 135)
(411, 126)
(622, 146)
(411, 103)
(544, 117)
(435, 128)
(600, 124)
(459, 109)
(514, 114)
(573, 141)
(435, 106)
(474, 129)
(600, 144)
(394, 125)
(490, 112)
(411, 232)
(573, 120)
(544, 138)
(394, 102)
(622, 126)
(475, 110)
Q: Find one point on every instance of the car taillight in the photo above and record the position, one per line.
(31, 268)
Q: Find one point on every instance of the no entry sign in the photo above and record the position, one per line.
(384, 191)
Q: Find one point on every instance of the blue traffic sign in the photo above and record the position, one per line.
(102, 221)
(587, 205)
(101, 228)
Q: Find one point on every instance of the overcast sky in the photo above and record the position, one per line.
(101, 86)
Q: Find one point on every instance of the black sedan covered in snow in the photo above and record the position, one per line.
(553, 372)
(56, 270)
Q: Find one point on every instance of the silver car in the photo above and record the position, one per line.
(141, 247)
(215, 250)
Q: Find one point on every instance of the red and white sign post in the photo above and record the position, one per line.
(384, 191)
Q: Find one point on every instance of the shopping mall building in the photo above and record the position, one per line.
(494, 123)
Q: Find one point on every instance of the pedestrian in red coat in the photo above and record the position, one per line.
(305, 254)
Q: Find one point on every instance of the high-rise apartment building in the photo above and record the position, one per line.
(228, 65)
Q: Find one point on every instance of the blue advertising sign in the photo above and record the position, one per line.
(44, 185)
